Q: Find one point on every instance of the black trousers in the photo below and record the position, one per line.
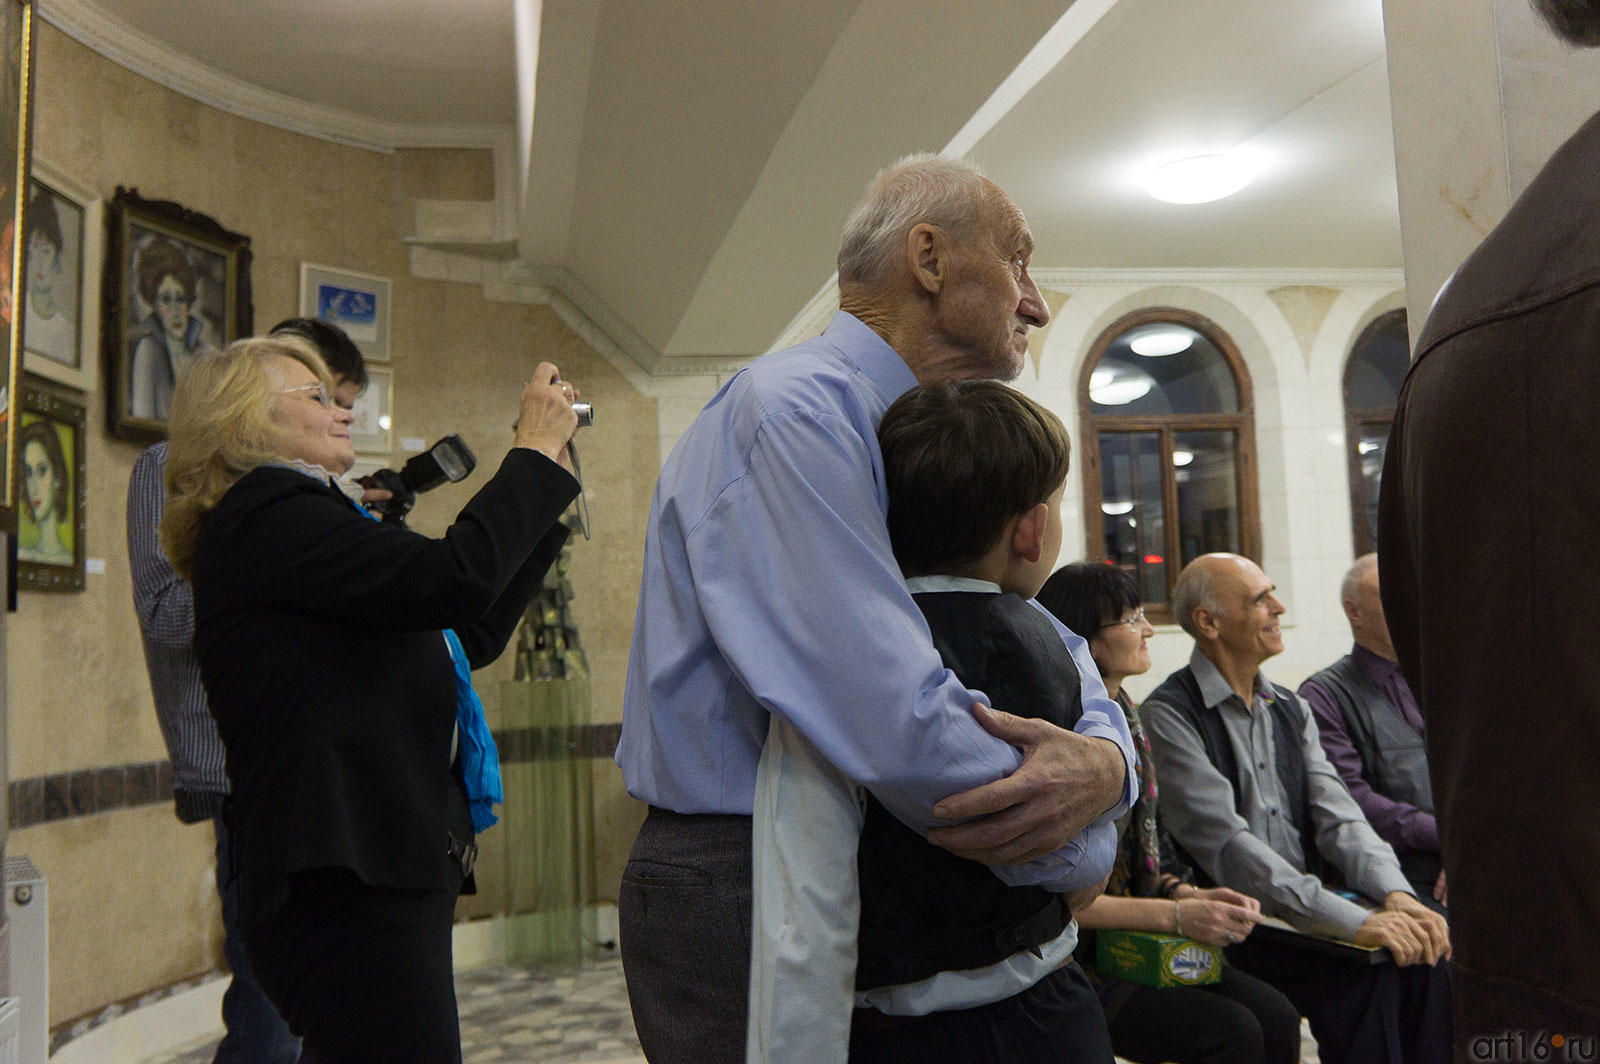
(361, 973)
(684, 909)
(1360, 1013)
(1056, 1021)
(1240, 1020)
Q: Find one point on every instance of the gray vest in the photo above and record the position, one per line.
(1394, 757)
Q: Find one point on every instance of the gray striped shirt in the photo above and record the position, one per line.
(165, 605)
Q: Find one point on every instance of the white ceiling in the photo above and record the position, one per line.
(693, 161)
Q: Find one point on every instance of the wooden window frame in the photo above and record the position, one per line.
(1166, 425)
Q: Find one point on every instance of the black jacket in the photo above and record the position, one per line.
(318, 634)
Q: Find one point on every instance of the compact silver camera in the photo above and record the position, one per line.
(585, 412)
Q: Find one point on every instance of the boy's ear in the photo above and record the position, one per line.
(1027, 538)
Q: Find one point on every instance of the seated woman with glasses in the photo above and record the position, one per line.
(335, 652)
(1240, 1020)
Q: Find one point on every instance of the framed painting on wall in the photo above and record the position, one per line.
(64, 236)
(369, 431)
(50, 463)
(16, 105)
(177, 285)
(358, 303)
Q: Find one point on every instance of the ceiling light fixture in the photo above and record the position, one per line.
(1158, 343)
(1199, 179)
(1116, 509)
(1182, 458)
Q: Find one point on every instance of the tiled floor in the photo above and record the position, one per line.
(569, 1015)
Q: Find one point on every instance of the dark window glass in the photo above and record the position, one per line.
(1132, 509)
(1167, 423)
(1206, 468)
(1184, 374)
(1373, 377)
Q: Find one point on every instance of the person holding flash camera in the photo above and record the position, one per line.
(320, 635)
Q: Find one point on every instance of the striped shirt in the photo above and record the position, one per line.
(165, 605)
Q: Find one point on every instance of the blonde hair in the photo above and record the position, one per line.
(220, 429)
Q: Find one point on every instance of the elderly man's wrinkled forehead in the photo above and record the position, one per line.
(1002, 221)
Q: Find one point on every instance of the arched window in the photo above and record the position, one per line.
(1168, 448)
(1372, 379)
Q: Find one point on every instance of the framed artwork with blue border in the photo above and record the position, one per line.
(358, 303)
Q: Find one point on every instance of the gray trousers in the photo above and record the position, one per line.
(684, 909)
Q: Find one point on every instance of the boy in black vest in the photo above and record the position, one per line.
(953, 963)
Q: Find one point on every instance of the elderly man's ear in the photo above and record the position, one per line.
(928, 252)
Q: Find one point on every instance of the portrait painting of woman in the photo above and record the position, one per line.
(174, 330)
(54, 229)
(181, 288)
(45, 526)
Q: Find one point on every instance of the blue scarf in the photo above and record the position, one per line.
(480, 761)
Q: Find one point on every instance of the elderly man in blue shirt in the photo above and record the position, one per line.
(770, 589)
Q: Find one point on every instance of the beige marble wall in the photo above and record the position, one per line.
(131, 893)
(1482, 93)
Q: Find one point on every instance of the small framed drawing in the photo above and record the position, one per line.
(65, 234)
(369, 431)
(177, 285)
(358, 303)
(50, 467)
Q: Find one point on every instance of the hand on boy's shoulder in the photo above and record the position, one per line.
(1065, 781)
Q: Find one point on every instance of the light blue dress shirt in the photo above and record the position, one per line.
(770, 587)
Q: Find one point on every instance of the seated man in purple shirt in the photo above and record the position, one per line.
(1373, 733)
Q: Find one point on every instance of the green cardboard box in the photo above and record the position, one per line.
(1153, 959)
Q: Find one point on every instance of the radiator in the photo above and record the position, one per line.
(28, 914)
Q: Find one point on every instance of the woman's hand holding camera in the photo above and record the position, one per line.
(547, 420)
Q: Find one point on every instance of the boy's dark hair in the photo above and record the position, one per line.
(961, 460)
(332, 343)
(1087, 596)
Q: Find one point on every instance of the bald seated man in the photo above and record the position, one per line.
(1372, 732)
(1249, 794)
(770, 589)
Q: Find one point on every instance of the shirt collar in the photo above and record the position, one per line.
(1213, 688)
(919, 584)
(880, 363)
(348, 489)
(1376, 666)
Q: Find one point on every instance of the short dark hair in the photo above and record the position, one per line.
(1087, 596)
(42, 220)
(162, 258)
(960, 460)
(332, 343)
(1575, 21)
